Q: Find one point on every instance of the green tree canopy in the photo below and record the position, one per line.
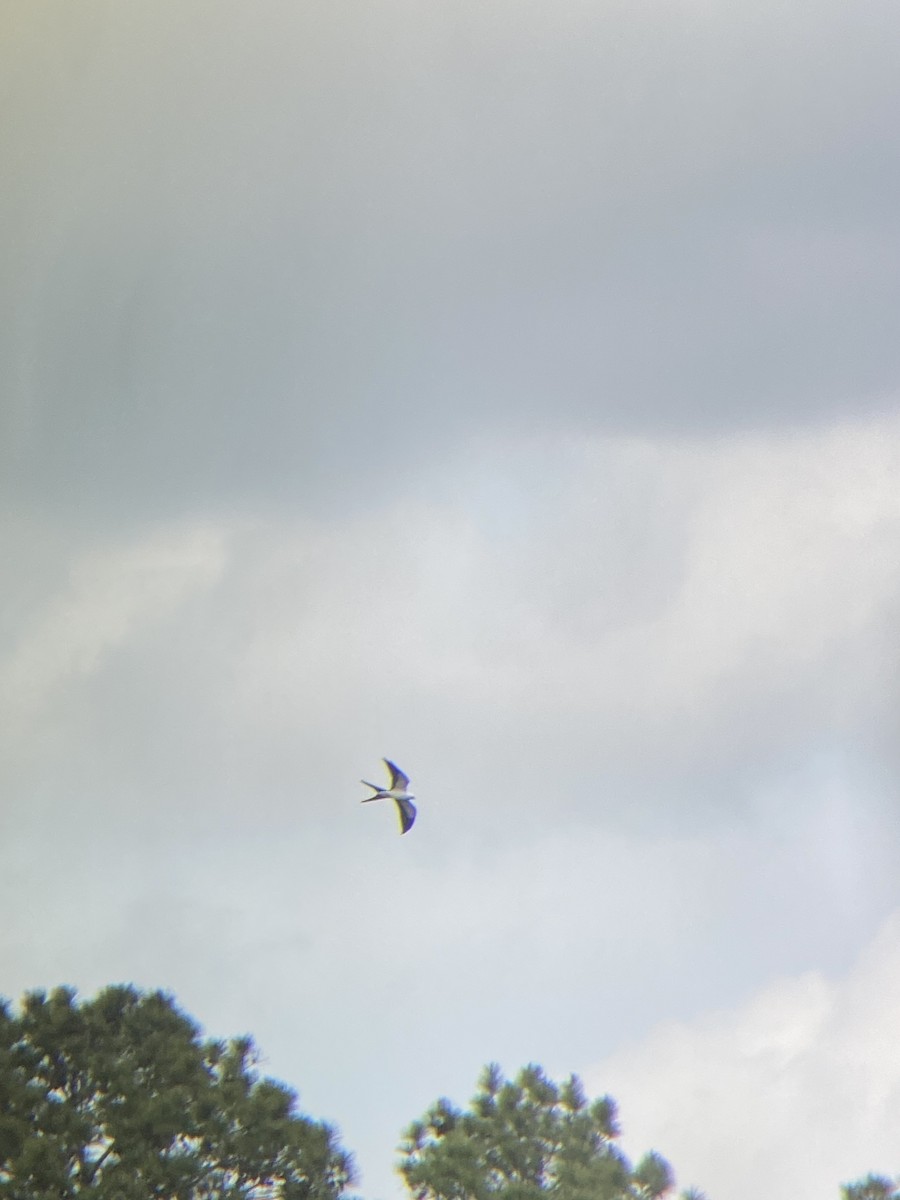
(526, 1139)
(120, 1099)
(873, 1187)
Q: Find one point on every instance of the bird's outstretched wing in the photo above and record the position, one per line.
(407, 813)
(398, 779)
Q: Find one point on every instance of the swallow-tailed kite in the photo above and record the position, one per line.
(396, 792)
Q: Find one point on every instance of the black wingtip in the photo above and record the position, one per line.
(397, 776)
(407, 813)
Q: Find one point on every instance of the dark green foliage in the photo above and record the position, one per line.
(653, 1176)
(118, 1098)
(526, 1139)
(873, 1187)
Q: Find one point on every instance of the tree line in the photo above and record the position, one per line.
(120, 1097)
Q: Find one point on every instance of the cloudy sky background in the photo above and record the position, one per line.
(512, 390)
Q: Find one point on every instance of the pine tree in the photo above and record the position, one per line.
(526, 1139)
(120, 1099)
(873, 1187)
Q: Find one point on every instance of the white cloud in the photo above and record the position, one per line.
(672, 599)
(788, 1095)
(543, 642)
(778, 549)
(111, 594)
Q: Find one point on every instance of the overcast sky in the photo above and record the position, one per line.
(511, 389)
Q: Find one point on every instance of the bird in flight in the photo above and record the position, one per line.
(396, 792)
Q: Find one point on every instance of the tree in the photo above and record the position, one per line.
(873, 1187)
(118, 1098)
(526, 1139)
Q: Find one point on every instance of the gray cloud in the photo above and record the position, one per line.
(696, 618)
(506, 389)
(249, 253)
